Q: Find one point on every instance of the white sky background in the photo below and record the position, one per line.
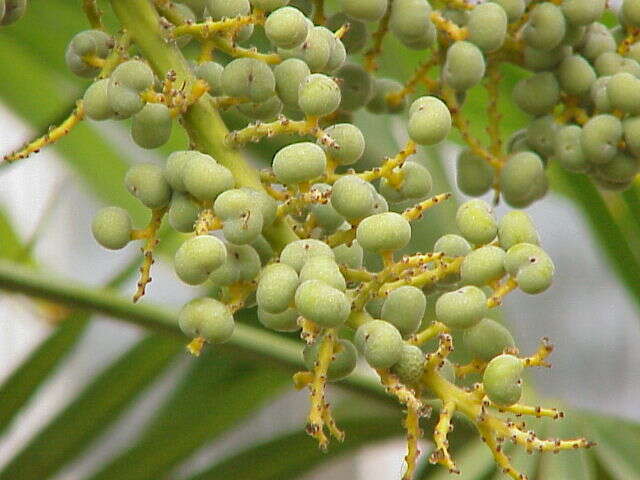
(587, 314)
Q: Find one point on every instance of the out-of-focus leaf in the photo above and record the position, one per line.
(11, 247)
(219, 392)
(71, 431)
(289, 455)
(618, 449)
(566, 465)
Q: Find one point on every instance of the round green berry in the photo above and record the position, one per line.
(322, 304)
(86, 43)
(366, 10)
(268, 5)
(464, 66)
(597, 40)
(631, 127)
(380, 342)
(631, 12)
(343, 360)
(501, 380)
(219, 9)
(482, 266)
(476, 222)
(323, 213)
(516, 227)
(513, 8)
(276, 288)
(356, 86)
(151, 126)
(183, 212)
(576, 75)
(146, 182)
(211, 72)
(325, 269)
(198, 257)
(522, 254)
(474, 175)
(286, 321)
(538, 94)
(623, 92)
(599, 96)
(546, 27)
(429, 121)
(487, 339)
(462, 308)
(410, 367)
(347, 143)
(568, 149)
(296, 253)
(541, 135)
(610, 63)
(127, 81)
(541, 60)
(96, 101)
(174, 167)
(111, 227)
(583, 12)
(416, 183)
(249, 78)
(315, 51)
(242, 265)
(520, 178)
(318, 95)
(208, 318)
(350, 255)
(338, 54)
(265, 111)
(204, 178)
(299, 162)
(404, 308)
(384, 232)
(289, 75)
(410, 22)
(382, 87)
(352, 197)
(600, 137)
(286, 27)
(487, 26)
(536, 276)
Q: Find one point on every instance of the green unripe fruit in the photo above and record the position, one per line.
(430, 121)
(464, 66)
(318, 95)
(264, 249)
(600, 138)
(325, 269)
(208, 318)
(631, 12)
(243, 229)
(487, 339)
(462, 308)
(352, 197)
(188, 15)
(513, 8)
(204, 178)
(476, 222)
(233, 203)
(111, 227)
(597, 40)
(538, 94)
(487, 26)
(343, 363)
(374, 308)
(631, 127)
(576, 75)
(13, 11)
(599, 96)
(296, 253)
(355, 38)
(250, 78)
(404, 308)
(268, 5)
(380, 342)
(623, 91)
(410, 367)
(174, 167)
(265, 111)
(211, 72)
(96, 101)
(286, 321)
(315, 51)
(610, 63)
(276, 288)
(541, 60)
(568, 149)
(536, 277)
(474, 175)
(459, 17)
(541, 135)
(410, 22)
(482, 266)
(351, 256)
(198, 257)
(126, 83)
(583, 12)
(146, 182)
(366, 10)
(382, 87)
(546, 27)
(356, 86)
(265, 203)
(338, 54)
(289, 75)
(520, 178)
(323, 213)
(416, 183)
(380, 204)
(299, 162)
(621, 169)
(286, 27)
(322, 304)
(384, 232)
(574, 35)
(86, 43)
(151, 126)
(522, 254)
(242, 264)
(183, 213)
(348, 143)
(219, 9)
(501, 380)
(452, 245)
(516, 227)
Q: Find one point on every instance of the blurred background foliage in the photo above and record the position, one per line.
(214, 394)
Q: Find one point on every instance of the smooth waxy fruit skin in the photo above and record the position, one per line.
(111, 227)
(349, 143)
(286, 321)
(404, 308)
(367, 10)
(95, 43)
(299, 162)
(464, 66)
(151, 126)
(383, 232)
(296, 253)
(276, 288)
(380, 342)
(183, 213)
(473, 174)
(211, 72)
(341, 366)
(352, 256)
(600, 138)
(568, 149)
(483, 265)
(501, 380)
(538, 94)
(198, 257)
(416, 183)
(352, 197)
(289, 75)
(487, 26)
(462, 308)
(487, 339)
(521, 178)
(318, 95)
(516, 227)
(248, 77)
(286, 27)
(429, 121)
(410, 22)
(475, 221)
(127, 81)
(322, 304)
(208, 318)
(146, 182)
(242, 264)
(410, 367)
(96, 101)
(204, 178)
(546, 27)
(325, 269)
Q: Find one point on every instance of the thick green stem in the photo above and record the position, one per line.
(248, 340)
(202, 121)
